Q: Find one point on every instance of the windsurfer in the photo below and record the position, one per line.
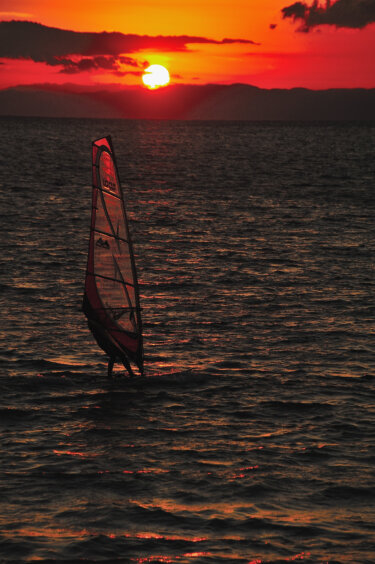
(111, 298)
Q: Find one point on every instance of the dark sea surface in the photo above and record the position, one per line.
(252, 437)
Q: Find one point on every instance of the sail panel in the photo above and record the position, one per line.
(109, 212)
(114, 278)
(107, 173)
(112, 259)
(111, 235)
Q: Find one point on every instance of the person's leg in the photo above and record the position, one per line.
(126, 364)
(111, 362)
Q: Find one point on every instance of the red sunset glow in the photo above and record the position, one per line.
(270, 44)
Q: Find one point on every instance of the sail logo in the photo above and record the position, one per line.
(101, 243)
(109, 184)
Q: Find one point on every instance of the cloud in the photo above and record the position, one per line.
(354, 14)
(99, 63)
(88, 51)
(226, 41)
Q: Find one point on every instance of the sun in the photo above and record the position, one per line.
(155, 76)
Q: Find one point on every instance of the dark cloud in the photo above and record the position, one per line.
(88, 64)
(273, 26)
(225, 41)
(343, 13)
(296, 11)
(88, 51)
(99, 63)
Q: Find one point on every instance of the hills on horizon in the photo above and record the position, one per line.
(189, 102)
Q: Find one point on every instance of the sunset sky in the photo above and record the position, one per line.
(266, 43)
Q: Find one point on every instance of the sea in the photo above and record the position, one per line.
(251, 437)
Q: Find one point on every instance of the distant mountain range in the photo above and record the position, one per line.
(208, 102)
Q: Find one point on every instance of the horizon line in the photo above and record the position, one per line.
(115, 86)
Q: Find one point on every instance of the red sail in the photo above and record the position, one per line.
(111, 301)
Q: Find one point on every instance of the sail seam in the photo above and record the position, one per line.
(110, 235)
(108, 192)
(109, 278)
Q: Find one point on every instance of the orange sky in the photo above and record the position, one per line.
(323, 57)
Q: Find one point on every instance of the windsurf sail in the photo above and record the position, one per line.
(111, 298)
